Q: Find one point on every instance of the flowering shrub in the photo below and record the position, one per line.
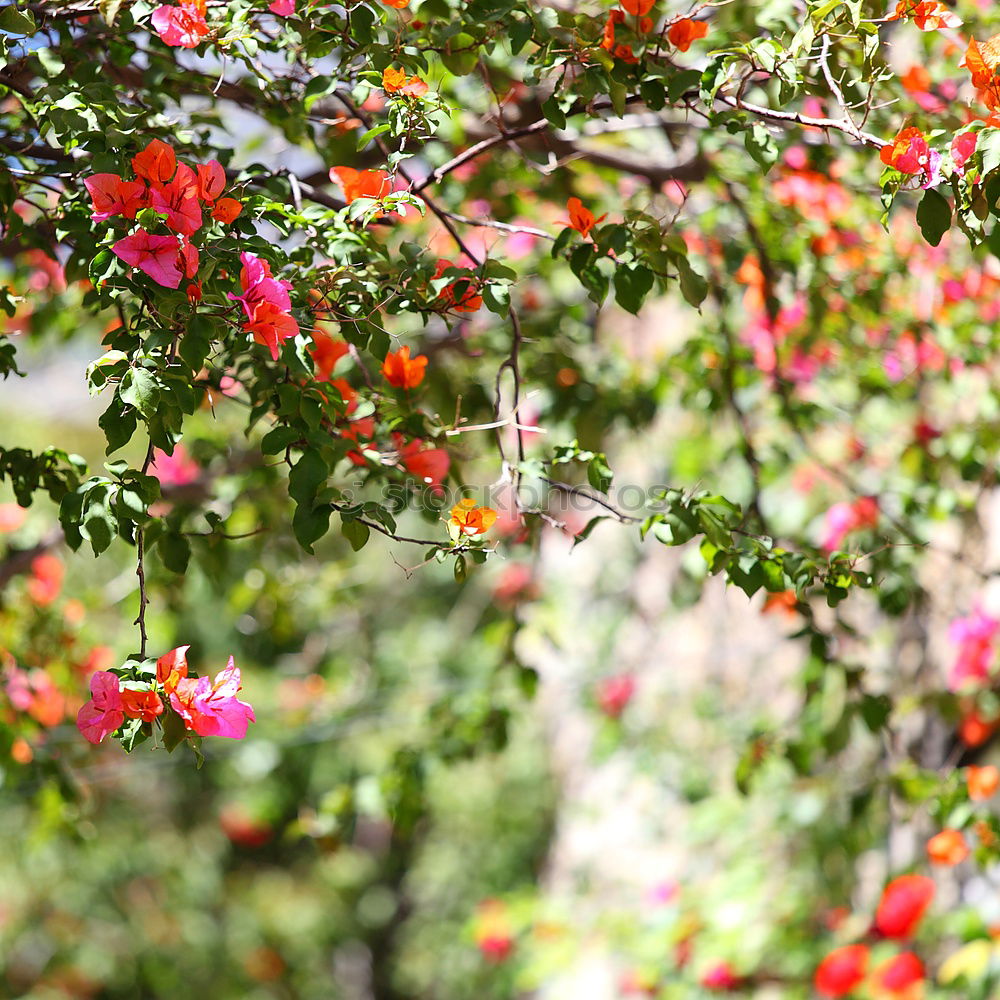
(434, 275)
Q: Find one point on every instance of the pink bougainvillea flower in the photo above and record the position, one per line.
(843, 518)
(614, 694)
(283, 8)
(187, 259)
(113, 196)
(156, 163)
(720, 978)
(178, 469)
(182, 26)
(902, 906)
(178, 200)
(271, 327)
(153, 255)
(212, 709)
(259, 286)
(975, 637)
(103, 714)
(12, 516)
(962, 147)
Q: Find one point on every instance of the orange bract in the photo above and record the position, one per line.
(982, 782)
(947, 848)
(395, 81)
(927, 15)
(581, 218)
(361, 183)
(683, 32)
(402, 371)
(637, 8)
(470, 519)
(156, 163)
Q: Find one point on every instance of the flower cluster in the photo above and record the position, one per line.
(680, 34)
(207, 708)
(900, 910)
(171, 189)
(266, 304)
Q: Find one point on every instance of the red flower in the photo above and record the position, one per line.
(429, 465)
(178, 200)
(683, 32)
(841, 971)
(403, 372)
(899, 973)
(904, 901)
(908, 152)
(113, 196)
(637, 8)
(720, 978)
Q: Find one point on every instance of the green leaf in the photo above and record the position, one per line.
(355, 532)
(306, 477)
(761, 146)
(933, 216)
(17, 22)
(139, 389)
(632, 285)
(175, 551)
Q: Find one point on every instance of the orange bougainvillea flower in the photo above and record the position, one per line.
(902, 906)
(361, 183)
(625, 53)
(982, 782)
(145, 705)
(396, 4)
(470, 519)
(927, 15)
(156, 163)
(326, 352)
(469, 301)
(637, 8)
(581, 218)
(171, 668)
(227, 210)
(395, 81)
(947, 848)
(403, 372)
(683, 32)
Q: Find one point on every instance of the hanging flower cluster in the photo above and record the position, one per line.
(207, 708)
(171, 189)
